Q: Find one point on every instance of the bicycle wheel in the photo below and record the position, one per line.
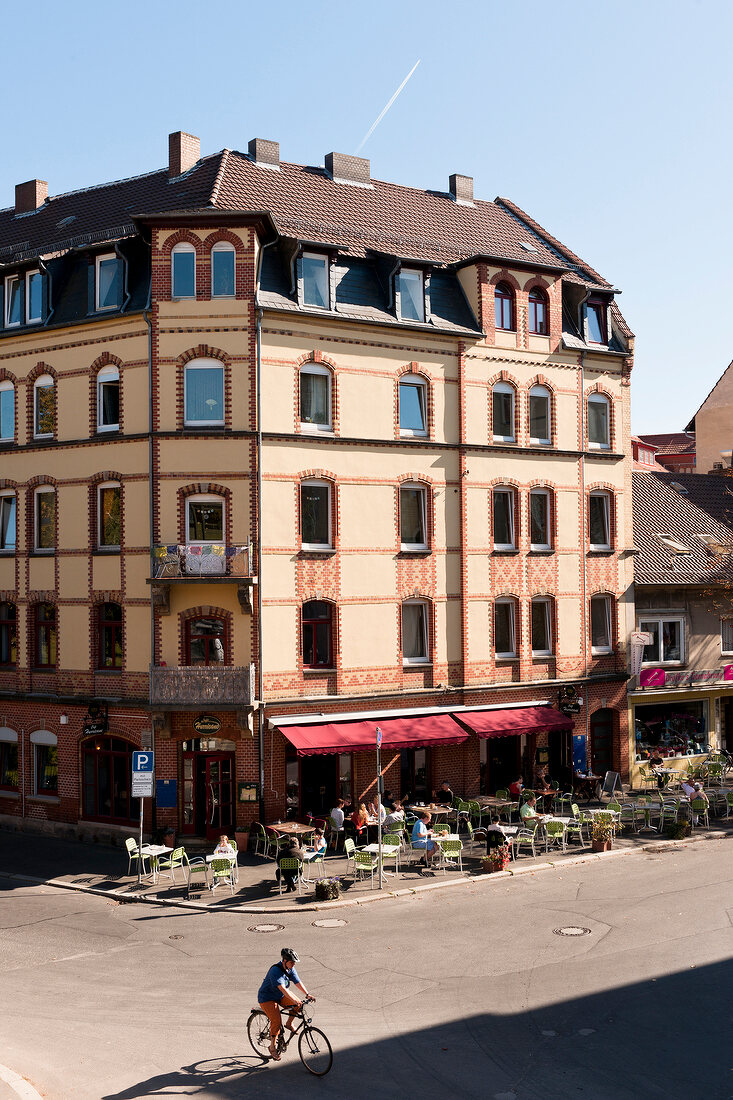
(315, 1051)
(258, 1031)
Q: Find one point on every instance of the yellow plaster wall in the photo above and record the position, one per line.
(368, 574)
(73, 624)
(368, 635)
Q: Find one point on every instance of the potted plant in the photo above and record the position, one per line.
(497, 859)
(328, 889)
(602, 831)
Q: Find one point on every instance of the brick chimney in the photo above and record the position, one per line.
(461, 187)
(183, 152)
(29, 196)
(265, 152)
(342, 167)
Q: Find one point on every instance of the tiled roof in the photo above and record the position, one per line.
(671, 443)
(660, 510)
(712, 493)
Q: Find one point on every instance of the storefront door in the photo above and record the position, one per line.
(601, 741)
(208, 789)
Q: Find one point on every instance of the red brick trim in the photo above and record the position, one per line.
(210, 612)
(106, 359)
(597, 388)
(330, 478)
(203, 351)
(320, 360)
(204, 488)
(31, 378)
(181, 237)
(418, 371)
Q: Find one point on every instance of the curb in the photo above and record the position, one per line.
(346, 903)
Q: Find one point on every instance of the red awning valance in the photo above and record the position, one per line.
(397, 733)
(513, 721)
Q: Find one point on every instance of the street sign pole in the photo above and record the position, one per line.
(143, 779)
(380, 783)
(140, 846)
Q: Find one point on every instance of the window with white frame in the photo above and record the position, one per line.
(599, 520)
(502, 401)
(315, 515)
(7, 522)
(315, 398)
(726, 636)
(314, 269)
(413, 517)
(600, 624)
(413, 405)
(415, 649)
(505, 636)
(44, 407)
(183, 271)
(13, 301)
(33, 297)
(45, 517)
(204, 519)
(203, 386)
(109, 497)
(7, 411)
(411, 288)
(667, 646)
(108, 399)
(539, 415)
(107, 283)
(539, 519)
(222, 270)
(541, 613)
(503, 519)
(599, 422)
(45, 763)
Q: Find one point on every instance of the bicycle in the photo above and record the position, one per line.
(313, 1046)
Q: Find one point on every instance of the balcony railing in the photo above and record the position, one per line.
(201, 559)
(202, 686)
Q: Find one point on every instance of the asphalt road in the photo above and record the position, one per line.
(465, 992)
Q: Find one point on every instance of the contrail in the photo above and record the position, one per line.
(384, 110)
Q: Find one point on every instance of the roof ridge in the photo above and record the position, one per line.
(710, 392)
(563, 249)
(225, 154)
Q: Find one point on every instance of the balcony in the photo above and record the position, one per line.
(202, 686)
(197, 562)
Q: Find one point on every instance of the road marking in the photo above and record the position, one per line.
(18, 1084)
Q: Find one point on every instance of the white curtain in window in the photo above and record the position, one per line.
(413, 631)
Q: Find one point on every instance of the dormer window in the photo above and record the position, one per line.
(411, 288)
(315, 281)
(596, 318)
(13, 303)
(504, 308)
(33, 297)
(107, 282)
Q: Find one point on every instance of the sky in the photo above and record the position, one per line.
(608, 123)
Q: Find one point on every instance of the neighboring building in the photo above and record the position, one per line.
(644, 455)
(712, 424)
(429, 530)
(673, 451)
(681, 705)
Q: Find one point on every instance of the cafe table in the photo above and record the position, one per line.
(434, 811)
(155, 851)
(291, 828)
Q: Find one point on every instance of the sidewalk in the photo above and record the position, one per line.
(102, 869)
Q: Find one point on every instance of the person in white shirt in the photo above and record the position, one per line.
(373, 812)
(395, 816)
(224, 848)
(337, 813)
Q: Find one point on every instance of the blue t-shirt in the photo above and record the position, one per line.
(277, 980)
(419, 835)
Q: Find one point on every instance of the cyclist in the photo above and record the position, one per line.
(275, 993)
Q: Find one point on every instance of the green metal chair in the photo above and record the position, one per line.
(276, 843)
(474, 814)
(629, 815)
(365, 863)
(261, 841)
(523, 838)
(555, 835)
(313, 869)
(668, 811)
(134, 854)
(527, 793)
(475, 835)
(392, 849)
(287, 863)
(574, 827)
(451, 854)
(222, 873)
(564, 802)
(350, 850)
(441, 829)
(167, 865)
(728, 803)
(195, 868)
(700, 809)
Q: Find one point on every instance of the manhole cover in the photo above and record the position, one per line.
(571, 930)
(266, 928)
(175, 937)
(329, 922)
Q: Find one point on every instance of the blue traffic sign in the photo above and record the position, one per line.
(143, 761)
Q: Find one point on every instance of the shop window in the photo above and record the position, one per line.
(317, 634)
(668, 640)
(505, 639)
(503, 400)
(413, 517)
(413, 405)
(183, 271)
(206, 641)
(315, 280)
(45, 763)
(541, 627)
(203, 384)
(44, 635)
(7, 522)
(44, 407)
(539, 415)
(601, 625)
(415, 646)
(503, 519)
(346, 768)
(222, 270)
(599, 520)
(538, 312)
(539, 519)
(8, 759)
(108, 400)
(415, 784)
(315, 515)
(411, 287)
(504, 308)
(106, 764)
(292, 784)
(108, 515)
(671, 729)
(7, 411)
(315, 398)
(109, 626)
(8, 635)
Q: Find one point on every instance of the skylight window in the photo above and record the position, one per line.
(66, 221)
(673, 545)
(527, 246)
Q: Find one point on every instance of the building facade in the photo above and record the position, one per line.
(286, 453)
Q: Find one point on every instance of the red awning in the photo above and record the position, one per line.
(419, 732)
(513, 721)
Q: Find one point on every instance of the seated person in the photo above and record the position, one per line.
(388, 800)
(444, 796)
(377, 812)
(224, 848)
(495, 835)
(698, 792)
(688, 787)
(317, 848)
(541, 784)
(422, 835)
(337, 814)
(516, 788)
(396, 815)
(360, 818)
(528, 813)
(292, 851)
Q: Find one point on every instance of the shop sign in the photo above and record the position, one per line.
(96, 721)
(659, 677)
(568, 700)
(639, 639)
(206, 723)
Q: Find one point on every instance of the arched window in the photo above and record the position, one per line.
(206, 641)
(315, 515)
(8, 759)
(415, 636)
(44, 650)
(599, 520)
(203, 393)
(601, 624)
(222, 270)
(183, 271)
(540, 428)
(7, 411)
(413, 405)
(315, 397)
(7, 522)
(109, 526)
(8, 635)
(106, 766)
(317, 623)
(505, 627)
(599, 421)
(504, 307)
(44, 407)
(540, 527)
(541, 614)
(537, 311)
(44, 517)
(108, 399)
(413, 517)
(109, 625)
(45, 763)
(504, 518)
(503, 399)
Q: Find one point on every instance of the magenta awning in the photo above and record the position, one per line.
(421, 732)
(514, 721)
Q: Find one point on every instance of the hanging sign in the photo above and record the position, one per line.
(206, 723)
(96, 720)
(639, 639)
(568, 701)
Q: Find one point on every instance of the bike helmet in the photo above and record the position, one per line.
(288, 953)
